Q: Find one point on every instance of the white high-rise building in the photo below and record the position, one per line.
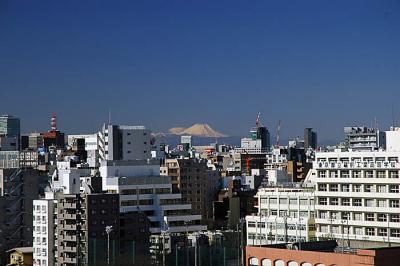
(43, 231)
(284, 215)
(141, 188)
(358, 196)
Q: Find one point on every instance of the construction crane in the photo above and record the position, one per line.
(278, 134)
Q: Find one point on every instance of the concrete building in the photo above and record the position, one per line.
(91, 144)
(364, 138)
(357, 196)
(310, 139)
(142, 189)
(18, 188)
(322, 253)
(44, 232)
(125, 143)
(393, 139)
(195, 181)
(284, 215)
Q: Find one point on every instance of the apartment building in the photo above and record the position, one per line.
(358, 196)
(142, 189)
(284, 215)
(195, 181)
(364, 138)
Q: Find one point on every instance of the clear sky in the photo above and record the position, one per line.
(323, 64)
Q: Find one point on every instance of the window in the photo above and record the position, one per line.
(358, 231)
(344, 174)
(334, 174)
(293, 201)
(381, 203)
(394, 204)
(369, 174)
(382, 217)
(357, 202)
(393, 174)
(370, 217)
(334, 215)
(322, 187)
(394, 189)
(381, 174)
(370, 231)
(272, 201)
(293, 214)
(323, 201)
(381, 189)
(356, 174)
(395, 218)
(274, 212)
(358, 216)
(346, 188)
(303, 202)
(356, 188)
(333, 187)
(345, 202)
(368, 188)
(283, 201)
(303, 214)
(321, 174)
(345, 215)
(323, 214)
(369, 202)
(395, 232)
(334, 201)
(382, 231)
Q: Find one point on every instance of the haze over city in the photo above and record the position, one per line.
(320, 64)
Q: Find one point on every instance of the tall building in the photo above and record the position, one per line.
(44, 232)
(195, 181)
(358, 196)
(18, 188)
(10, 126)
(10, 133)
(125, 143)
(284, 215)
(310, 138)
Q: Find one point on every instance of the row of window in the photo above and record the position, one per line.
(359, 188)
(39, 208)
(369, 231)
(291, 201)
(276, 225)
(40, 229)
(358, 174)
(357, 202)
(286, 213)
(359, 216)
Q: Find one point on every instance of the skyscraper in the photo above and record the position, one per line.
(310, 138)
(10, 126)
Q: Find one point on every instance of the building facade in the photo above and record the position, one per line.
(284, 215)
(358, 196)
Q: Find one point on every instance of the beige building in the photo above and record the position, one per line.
(195, 181)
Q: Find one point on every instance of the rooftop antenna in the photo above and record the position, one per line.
(109, 116)
(392, 115)
(258, 120)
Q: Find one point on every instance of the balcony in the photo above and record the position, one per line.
(69, 227)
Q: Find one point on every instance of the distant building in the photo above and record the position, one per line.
(364, 138)
(90, 143)
(20, 256)
(187, 140)
(195, 181)
(310, 139)
(126, 142)
(10, 133)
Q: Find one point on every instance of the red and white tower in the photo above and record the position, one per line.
(54, 122)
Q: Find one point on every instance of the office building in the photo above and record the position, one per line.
(284, 215)
(125, 143)
(10, 126)
(310, 139)
(358, 196)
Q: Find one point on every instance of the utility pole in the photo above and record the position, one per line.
(109, 228)
(187, 244)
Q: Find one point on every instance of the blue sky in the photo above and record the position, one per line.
(322, 64)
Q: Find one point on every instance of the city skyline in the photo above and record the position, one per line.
(332, 64)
